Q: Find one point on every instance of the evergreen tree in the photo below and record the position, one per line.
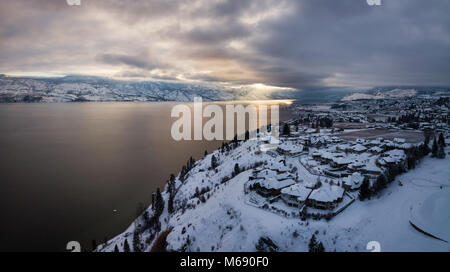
(364, 190)
(380, 183)
(116, 249)
(136, 242)
(320, 248)
(171, 189)
(434, 148)
(315, 246)
(126, 246)
(159, 202)
(286, 130)
(236, 169)
(247, 135)
(441, 141)
(441, 153)
(213, 162)
(312, 243)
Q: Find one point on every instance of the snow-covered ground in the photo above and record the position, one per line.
(80, 88)
(392, 94)
(225, 222)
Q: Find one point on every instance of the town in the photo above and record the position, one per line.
(307, 188)
(327, 157)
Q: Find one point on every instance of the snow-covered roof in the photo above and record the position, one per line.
(376, 149)
(271, 174)
(327, 193)
(375, 142)
(297, 190)
(392, 156)
(279, 166)
(273, 184)
(354, 181)
(359, 148)
(290, 147)
(341, 161)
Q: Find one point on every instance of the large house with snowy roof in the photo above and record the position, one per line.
(290, 149)
(353, 182)
(295, 195)
(326, 197)
(395, 156)
(358, 148)
(270, 186)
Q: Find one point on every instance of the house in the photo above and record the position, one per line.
(295, 195)
(290, 149)
(371, 170)
(270, 174)
(339, 162)
(376, 150)
(355, 166)
(359, 148)
(399, 140)
(352, 182)
(326, 197)
(390, 157)
(270, 186)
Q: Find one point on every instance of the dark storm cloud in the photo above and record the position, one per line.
(280, 43)
(402, 42)
(143, 61)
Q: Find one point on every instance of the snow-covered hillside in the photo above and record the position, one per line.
(77, 88)
(392, 94)
(212, 212)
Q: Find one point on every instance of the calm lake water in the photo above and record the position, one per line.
(64, 168)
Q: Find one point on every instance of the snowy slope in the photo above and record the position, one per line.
(76, 88)
(225, 222)
(392, 94)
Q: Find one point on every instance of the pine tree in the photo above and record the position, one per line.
(171, 188)
(116, 249)
(126, 246)
(159, 202)
(441, 141)
(286, 130)
(136, 242)
(380, 183)
(236, 169)
(312, 243)
(364, 190)
(441, 153)
(434, 148)
(320, 248)
(213, 162)
(315, 246)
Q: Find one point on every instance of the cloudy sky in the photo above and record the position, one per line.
(294, 44)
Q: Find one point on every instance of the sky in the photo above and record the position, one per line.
(262, 43)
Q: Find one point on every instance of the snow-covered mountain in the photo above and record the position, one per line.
(212, 212)
(82, 88)
(392, 94)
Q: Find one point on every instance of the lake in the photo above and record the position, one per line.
(66, 168)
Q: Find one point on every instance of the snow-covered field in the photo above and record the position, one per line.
(225, 222)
